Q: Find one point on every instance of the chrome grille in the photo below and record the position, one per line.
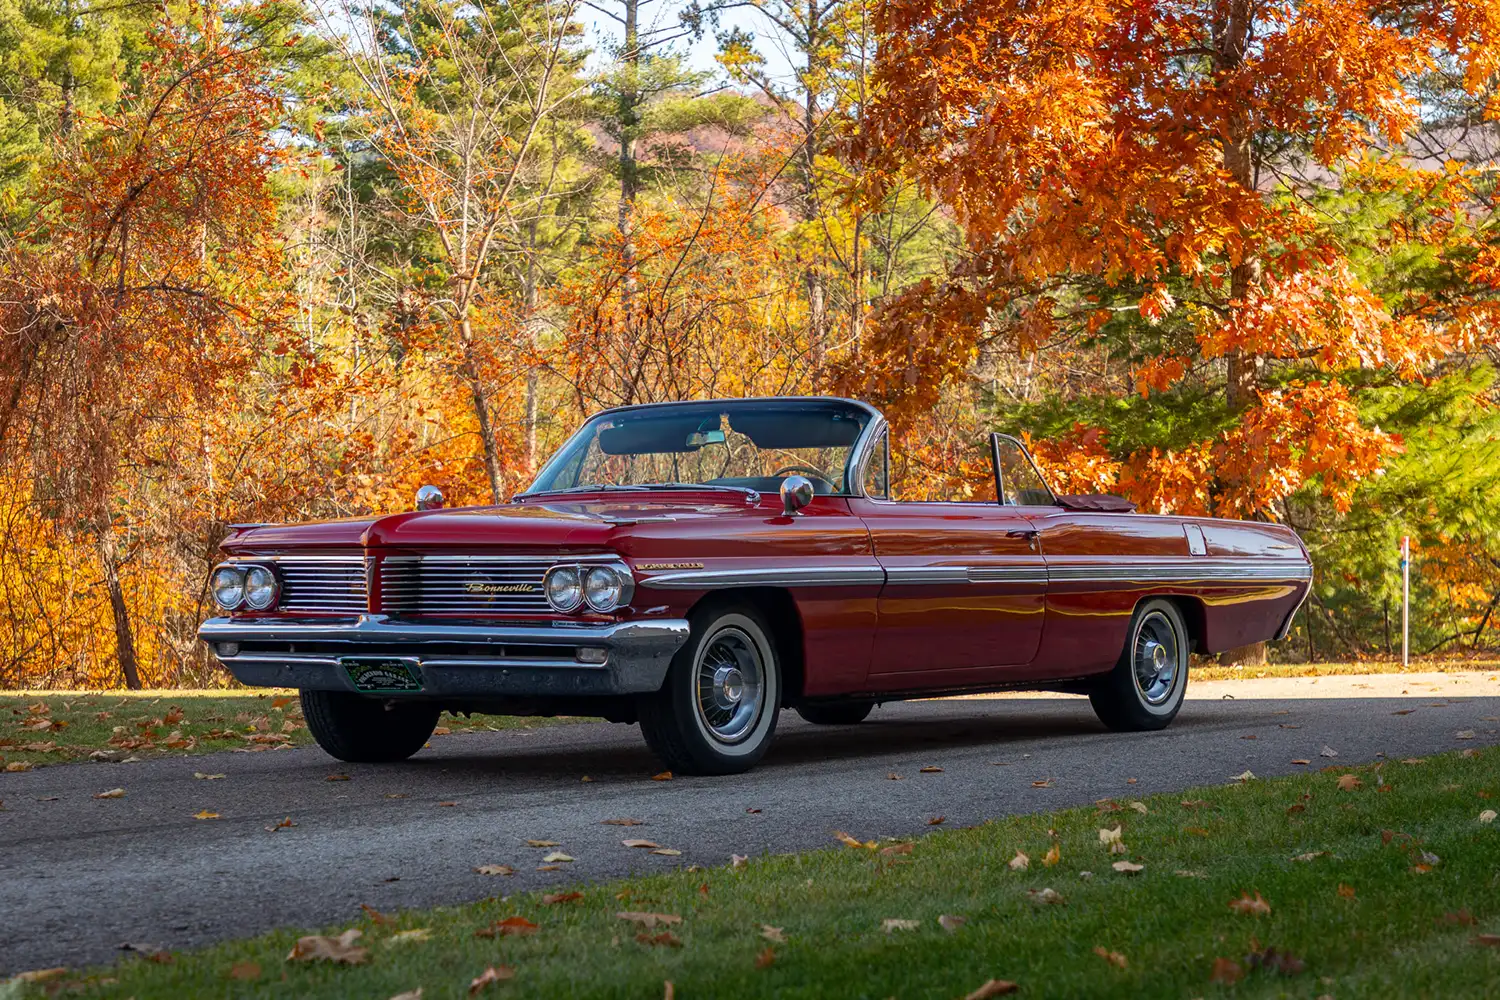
(463, 584)
(332, 583)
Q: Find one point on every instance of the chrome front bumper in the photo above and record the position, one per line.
(451, 659)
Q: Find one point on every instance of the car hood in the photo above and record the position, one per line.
(533, 525)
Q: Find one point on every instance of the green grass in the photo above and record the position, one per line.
(1402, 932)
(1207, 670)
(56, 727)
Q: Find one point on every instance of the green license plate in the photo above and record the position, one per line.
(382, 673)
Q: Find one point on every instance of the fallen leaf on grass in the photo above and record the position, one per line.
(1311, 856)
(1414, 760)
(285, 824)
(1186, 873)
(1348, 783)
(1295, 808)
(766, 958)
(951, 922)
(1140, 807)
(494, 870)
(113, 793)
(1110, 836)
(1020, 862)
(896, 924)
(283, 701)
(553, 898)
(41, 975)
(245, 971)
(1112, 957)
(623, 821)
(1127, 867)
(1244, 776)
(772, 933)
(639, 843)
(1276, 960)
(1053, 856)
(207, 777)
(1462, 918)
(1488, 816)
(992, 988)
(414, 936)
(1255, 906)
(16, 766)
(205, 814)
(557, 856)
(489, 977)
(1194, 803)
(339, 950)
(663, 776)
(1488, 940)
(1046, 897)
(650, 920)
(509, 927)
(543, 843)
(848, 841)
(376, 917)
(415, 994)
(1346, 891)
(656, 940)
(896, 849)
(1226, 971)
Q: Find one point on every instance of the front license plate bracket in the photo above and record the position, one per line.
(383, 674)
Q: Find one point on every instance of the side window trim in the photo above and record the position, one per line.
(995, 439)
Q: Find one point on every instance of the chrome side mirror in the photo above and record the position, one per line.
(796, 493)
(429, 498)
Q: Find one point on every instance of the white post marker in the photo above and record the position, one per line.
(1405, 594)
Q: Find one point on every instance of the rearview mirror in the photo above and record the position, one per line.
(796, 493)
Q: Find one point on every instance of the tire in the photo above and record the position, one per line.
(367, 730)
(1145, 689)
(841, 713)
(730, 661)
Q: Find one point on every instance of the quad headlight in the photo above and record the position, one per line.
(602, 588)
(244, 586)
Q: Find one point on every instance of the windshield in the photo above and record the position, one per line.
(751, 444)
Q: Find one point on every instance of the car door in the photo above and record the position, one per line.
(965, 589)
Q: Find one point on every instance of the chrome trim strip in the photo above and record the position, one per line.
(344, 560)
(1198, 569)
(548, 559)
(782, 576)
(383, 629)
(1007, 574)
(907, 575)
(492, 662)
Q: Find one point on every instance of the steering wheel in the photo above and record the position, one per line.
(816, 473)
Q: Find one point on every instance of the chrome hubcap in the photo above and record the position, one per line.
(729, 685)
(1156, 657)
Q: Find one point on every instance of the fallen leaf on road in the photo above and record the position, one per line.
(1245, 776)
(1295, 762)
(549, 868)
(848, 841)
(509, 927)
(285, 824)
(339, 950)
(414, 936)
(1403, 711)
(1020, 862)
(489, 977)
(951, 922)
(552, 898)
(1250, 736)
(1046, 897)
(1464, 734)
(1348, 783)
(1226, 971)
(1127, 867)
(494, 870)
(205, 814)
(337, 777)
(207, 777)
(1328, 752)
(668, 852)
(663, 776)
(623, 821)
(766, 958)
(893, 776)
(638, 843)
(113, 793)
(1112, 957)
(1254, 906)
(1289, 725)
(543, 843)
(557, 856)
(937, 821)
(650, 920)
(992, 988)
(1043, 783)
(896, 924)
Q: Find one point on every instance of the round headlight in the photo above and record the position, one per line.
(564, 589)
(228, 583)
(602, 588)
(260, 588)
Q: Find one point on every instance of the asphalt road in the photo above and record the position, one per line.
(79, 876)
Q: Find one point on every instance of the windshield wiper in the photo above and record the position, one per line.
(749, 493)
(591, 488)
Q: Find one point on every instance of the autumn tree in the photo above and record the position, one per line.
(1135, 182)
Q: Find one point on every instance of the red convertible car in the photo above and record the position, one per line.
(696, 567)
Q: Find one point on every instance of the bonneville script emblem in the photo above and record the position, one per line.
(669, 565)
(478, 587)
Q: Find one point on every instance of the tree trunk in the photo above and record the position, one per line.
(124, 636)
(481, 409)
(629, 111)
(1231, 37)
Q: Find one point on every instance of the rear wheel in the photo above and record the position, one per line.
(367, 730)
(717, 710)
(1145, 689)
(841, 713)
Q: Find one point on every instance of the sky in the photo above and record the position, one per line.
(603, 32)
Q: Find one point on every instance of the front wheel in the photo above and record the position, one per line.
(367, 730)
(717, 710)
(1145, 689)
